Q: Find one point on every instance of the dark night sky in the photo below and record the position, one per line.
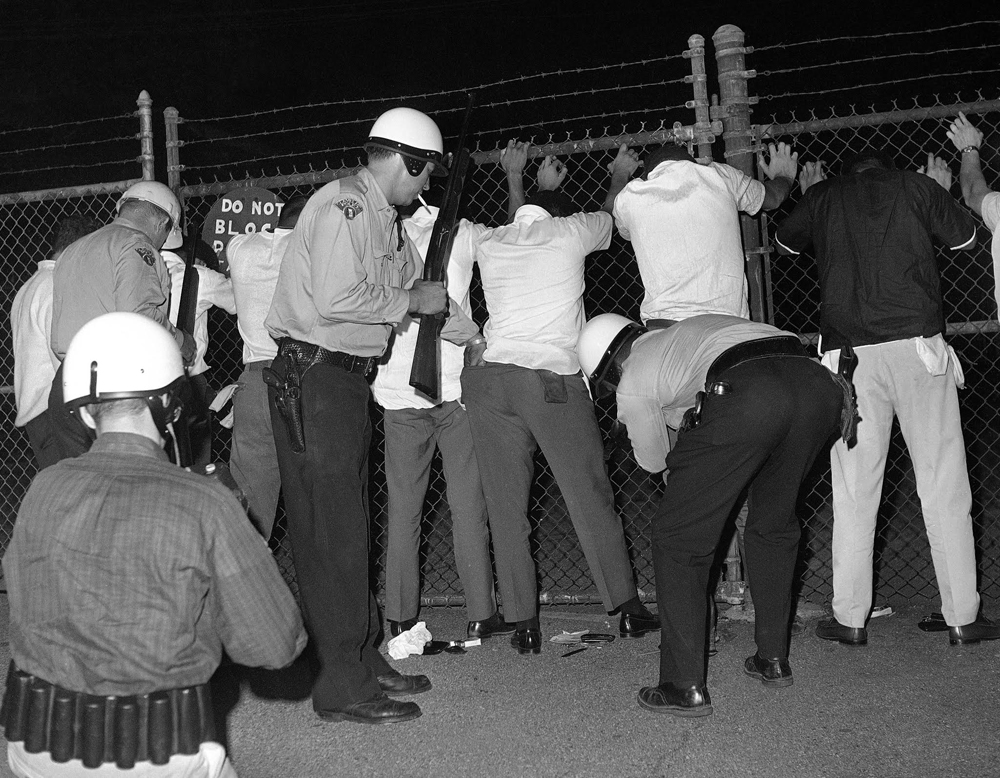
(69, 60)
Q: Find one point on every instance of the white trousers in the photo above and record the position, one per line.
(893, 379)
(209, 762)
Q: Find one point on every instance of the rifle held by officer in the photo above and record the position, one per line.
(425, 373)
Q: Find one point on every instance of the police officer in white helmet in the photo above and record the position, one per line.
(111, 666)
(753, 411)
(348, 274)
(116, 268)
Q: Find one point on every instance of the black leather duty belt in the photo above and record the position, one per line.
(98, 729)
(309, 354)
(779, 346)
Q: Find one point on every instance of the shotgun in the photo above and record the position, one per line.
(425, 373)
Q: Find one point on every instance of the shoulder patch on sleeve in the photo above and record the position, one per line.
(350, 206)
(147, 254)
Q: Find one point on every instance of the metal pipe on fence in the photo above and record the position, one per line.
(67, 192)
(171, 118)
(867, 120)
(704, 129)
(146, 157)
(734, 110)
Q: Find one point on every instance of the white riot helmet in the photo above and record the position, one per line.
(413, 135)
(605, 342)
(124, 355)
(163, 198)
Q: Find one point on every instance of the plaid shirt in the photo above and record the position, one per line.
(128, 575)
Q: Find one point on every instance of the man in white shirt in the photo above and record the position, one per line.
(683, 221)
(254, 262)
(415, 426)
(530, 394)
(213, 289)
(35, 363)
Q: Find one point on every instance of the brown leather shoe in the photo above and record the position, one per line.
(770, 672)
(690, 701)
(831, 629)
(632, 625)
(527, 641)
(378, 710)
(494, 625)
(981, 629)
(399, 685)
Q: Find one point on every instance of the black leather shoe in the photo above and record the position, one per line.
(770, 672)
(494, 625)
(403, 685)
(980, 629)
(527, 641)
(631, 625)
(932, 622)
(396, 628)
(689, 702)
(377, 710)
(831, 629)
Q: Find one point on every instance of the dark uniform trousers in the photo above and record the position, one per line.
(326, 502)
(72, 436)
(765, 432)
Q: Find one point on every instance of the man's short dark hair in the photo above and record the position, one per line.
(557, 203)
(669, 150)
(869, 158)
(70, 229)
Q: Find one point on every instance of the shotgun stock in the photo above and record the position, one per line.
(425, 373)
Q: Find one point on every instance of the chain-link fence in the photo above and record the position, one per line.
(785, 293)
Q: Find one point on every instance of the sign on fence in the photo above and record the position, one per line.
(243, 210)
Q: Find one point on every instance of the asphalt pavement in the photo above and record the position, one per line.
(907, 704)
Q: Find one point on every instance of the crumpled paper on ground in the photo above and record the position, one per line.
(410, 642)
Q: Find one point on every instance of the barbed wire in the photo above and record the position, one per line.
(442, 93)
(130, 138)
(875, 59)
(758, 49)
(498, 104)
(129, 161)
(785, 95)
(355, 147)
(68, 124)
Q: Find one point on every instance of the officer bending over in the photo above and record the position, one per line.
(765, 413)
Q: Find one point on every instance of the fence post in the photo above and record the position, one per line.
(145, 104)
(735, 114)
(699, 80)
(171, 118)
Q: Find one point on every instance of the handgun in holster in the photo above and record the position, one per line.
(845, 379)
(692, 416)
(288, 400)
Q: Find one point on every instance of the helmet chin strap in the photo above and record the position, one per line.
(172, 426)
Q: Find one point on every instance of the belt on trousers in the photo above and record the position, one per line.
(779, 346)
(105, 728)
(309, 354)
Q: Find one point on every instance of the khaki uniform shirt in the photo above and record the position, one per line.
(115, 268)
(344, 275)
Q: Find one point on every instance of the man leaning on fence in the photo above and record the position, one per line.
(529, 394)
(116, 268)
(872, 232)
(347, 276)
(35, 364)
(683, 221)
(128, 577)
(254, 262)
(977, 194)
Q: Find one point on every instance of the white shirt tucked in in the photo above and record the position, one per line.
(34, 363)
